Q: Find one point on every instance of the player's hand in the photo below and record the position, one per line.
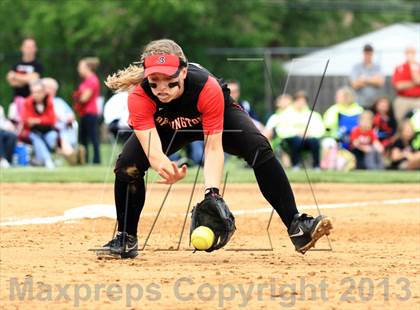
(171, 176)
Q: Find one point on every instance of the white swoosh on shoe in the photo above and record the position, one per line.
(298, 234)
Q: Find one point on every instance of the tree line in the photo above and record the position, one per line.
(116, 30)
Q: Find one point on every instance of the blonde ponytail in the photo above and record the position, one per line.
(126, 79)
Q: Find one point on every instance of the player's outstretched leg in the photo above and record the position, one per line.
(251, 145)
(306, 230)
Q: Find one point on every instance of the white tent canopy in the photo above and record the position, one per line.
(389, 44)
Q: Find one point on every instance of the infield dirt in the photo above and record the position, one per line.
(374, 262)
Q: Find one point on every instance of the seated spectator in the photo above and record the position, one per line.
(406, 81)
(384, 122)
(15, 113)
(365, 144)
(235, 93)
(66, 123)
(367, 79)
(8, 140)
(282, 103)
(335, 158)
(415, 120)
(342, 117)
(116, 116)
(405, 152)
(38, 121)
(415, 123)
(291, 129)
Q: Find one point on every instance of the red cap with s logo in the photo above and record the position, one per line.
(167, 64)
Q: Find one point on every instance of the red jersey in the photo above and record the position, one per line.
(47, 117)
(90, 106)
(365, 137)
(200, 107)
(403, 73)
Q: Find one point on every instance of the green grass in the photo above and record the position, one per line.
(236, 174)
(234, 168)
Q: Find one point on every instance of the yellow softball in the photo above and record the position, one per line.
(202, 238)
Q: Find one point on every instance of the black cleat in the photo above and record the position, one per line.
(305, 231)
(122, 246)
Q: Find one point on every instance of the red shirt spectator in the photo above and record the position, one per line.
(365, 137)
(406, 81)
(89, 107)
(365, 144)
(403, 73)
(37, 116)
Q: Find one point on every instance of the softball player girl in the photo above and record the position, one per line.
(172, 103)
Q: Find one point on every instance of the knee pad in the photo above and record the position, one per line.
(128, 172)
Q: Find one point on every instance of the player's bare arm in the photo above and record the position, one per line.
(214, 160)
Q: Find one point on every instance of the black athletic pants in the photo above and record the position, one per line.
(246, 142)
(89, 132)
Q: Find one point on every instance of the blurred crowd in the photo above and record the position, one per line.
(362, 129)
(40, 124)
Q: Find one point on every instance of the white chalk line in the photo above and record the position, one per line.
(108, 211)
